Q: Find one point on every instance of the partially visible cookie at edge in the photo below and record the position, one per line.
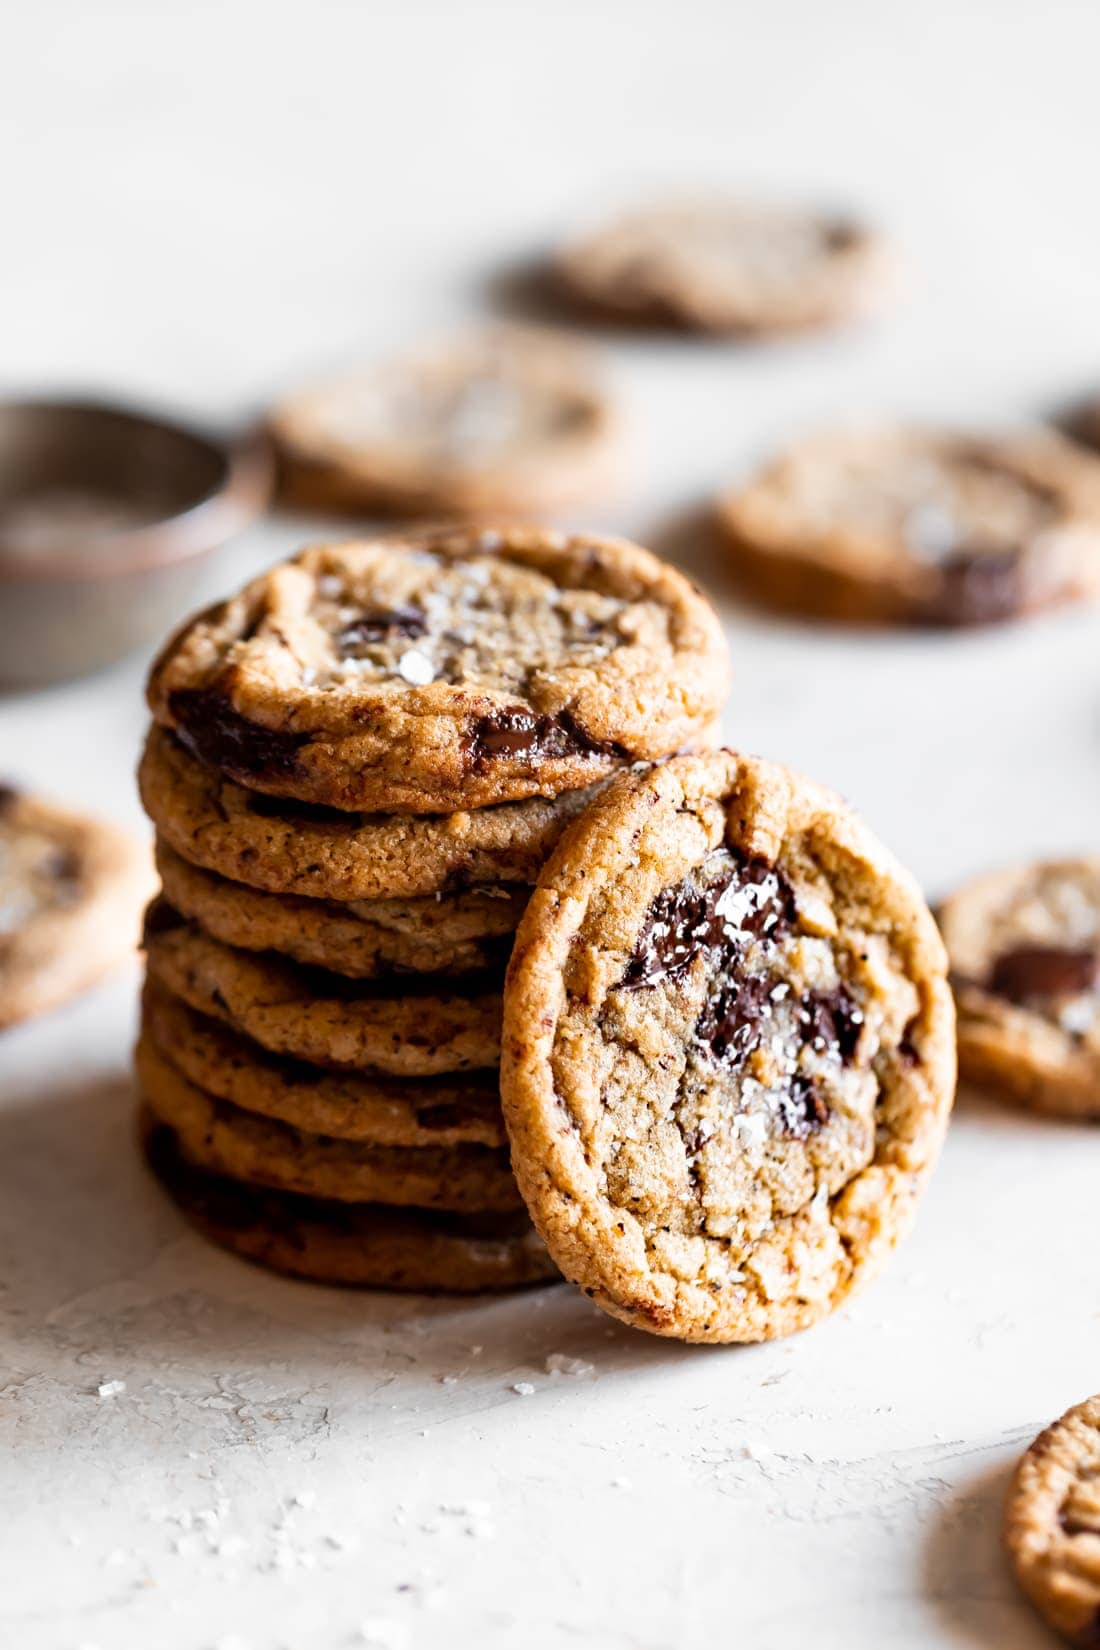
(505, 422)
(366, 1245)
(1052, 1524)
(910, 526)
(71, 893)
(1024, 949)
(728, 1051)
(717, 265)
(441, 670)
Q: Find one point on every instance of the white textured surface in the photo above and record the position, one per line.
(201, 202)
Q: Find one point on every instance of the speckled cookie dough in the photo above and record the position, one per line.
(360, 1245)
(919, 527)
(365, 939)
(1052, 1524)
(727, 266)
(728, 1050)
(507, 422)
(71, 892)
(225, 1140)
(454, 669)
(320, 1017)
(461, 1110)
(319, 853)
(1024, 947)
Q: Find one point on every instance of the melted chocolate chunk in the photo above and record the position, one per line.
(802, 1111)
(217, 734)
(733, 1021)
(832, 1022)
(978, 587)
(517, 732)
(381, 627)
(290, 808)
(1043, 971)
(687, 919)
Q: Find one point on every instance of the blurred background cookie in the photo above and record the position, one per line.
(505, 421)
(728, 266)
(919, 527)
(1052, 1524)
(71, 891)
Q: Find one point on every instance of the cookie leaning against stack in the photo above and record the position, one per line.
(357, 768)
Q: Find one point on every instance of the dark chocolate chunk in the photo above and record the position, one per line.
(686, 920)
(1043, 971)
(733, 1020)
(831, 1021)
(381, 626)
(977, 586)
(517, 732)
(212, 730)
(801, 1109)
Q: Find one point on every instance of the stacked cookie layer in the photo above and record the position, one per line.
(357, 768)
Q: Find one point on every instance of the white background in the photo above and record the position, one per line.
(202, 203)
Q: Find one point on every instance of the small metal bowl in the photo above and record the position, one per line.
(107, 518)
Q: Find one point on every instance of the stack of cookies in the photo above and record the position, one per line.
(357, 768)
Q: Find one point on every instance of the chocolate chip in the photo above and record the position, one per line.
(802, 1111)
(832, 1022)
(212, 730)
(688, 919)
(515, 731)
(976, 586)
(733, 1020)
(1043, 971)
(381, 626)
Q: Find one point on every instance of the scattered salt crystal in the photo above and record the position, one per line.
(305, 1498)
(448, 1380)
(559, 1364)
(110, 1389)
(416, 668)
(523, 1388)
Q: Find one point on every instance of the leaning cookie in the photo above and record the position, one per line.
(728, 266)
(1024, 948)
(728, 1050)
(506, 422)
(71, 892)
(1052, 1524)
(358, 1245)
(439, 671)
(919, 527)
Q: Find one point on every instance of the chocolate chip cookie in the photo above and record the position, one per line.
(916, 527)
(445, 670)
(1052, 1524)
(226, 1140)
(365, 939)
(506, 422)
(321, 853)
(727, 266)
(457, 1110)
(1024, 947)
(728, 1050)
(362, 1245)
(323, 1018)
(71, 892)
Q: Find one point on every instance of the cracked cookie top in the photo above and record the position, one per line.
(715, 265)
(1052, 1524)
(500, 422)
(920, 527)
(447, 669)
(728, 1050)
(1024, 947)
